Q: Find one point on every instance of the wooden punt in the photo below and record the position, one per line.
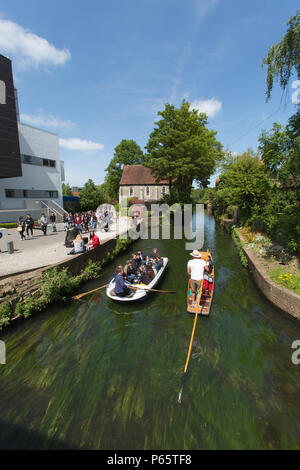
(206, 297)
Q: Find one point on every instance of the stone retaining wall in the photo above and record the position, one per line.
(283, 298)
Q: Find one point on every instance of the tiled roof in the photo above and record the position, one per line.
(139, 175)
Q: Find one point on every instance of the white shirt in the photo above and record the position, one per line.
(197, 267)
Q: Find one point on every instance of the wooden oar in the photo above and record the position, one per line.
(77, 297)
(192, 337)
(153, 290)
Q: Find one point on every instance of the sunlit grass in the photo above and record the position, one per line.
(286, 279)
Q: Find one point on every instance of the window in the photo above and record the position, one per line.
(26, 159)
(163, 190)
(31, 160)
(25, 193)
(52, 194)
(147, 191)
(131, 191)
(9, 193)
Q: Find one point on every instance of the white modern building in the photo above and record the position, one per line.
(39, 189)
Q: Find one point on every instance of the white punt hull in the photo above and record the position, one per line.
(142, 292)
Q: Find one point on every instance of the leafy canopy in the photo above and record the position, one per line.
(284, 57)
(182, 149)
(128, 152)
(91, 196)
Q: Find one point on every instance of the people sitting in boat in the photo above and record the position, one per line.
(134, 264)
(79, 246)
(141, 255)
(195, 269)
(145, 277)
(121, 289)
(94, 240)
(210, 266)
(150, 271)
(155, 253)
(159, 263)
(138, 259)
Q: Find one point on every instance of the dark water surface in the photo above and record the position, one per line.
(107, 376)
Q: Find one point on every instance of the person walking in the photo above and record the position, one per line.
(65, 221)
(21, 228)
(53, 221)
(195, 269)
(44, 224)
(29, 223)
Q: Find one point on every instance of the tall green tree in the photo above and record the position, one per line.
(182, 149)
(66, 189)
(283, 57)
(244, 184)
(90, 196)
(128, 152)
(280, 151)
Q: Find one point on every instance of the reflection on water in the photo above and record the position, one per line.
(102, 375)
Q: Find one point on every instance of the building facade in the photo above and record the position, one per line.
(42, 175)
(138, 182)
(31, 172)
(10, 157)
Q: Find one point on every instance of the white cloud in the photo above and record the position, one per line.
(28, 48)
(210, 107)
(46, 121)
(78, 144)
(204, 8)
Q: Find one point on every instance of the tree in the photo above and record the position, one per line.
(280, 151)
(128, 152)
(66, 189)
(181, 149)
(245, 184)
(284, 57)
(90, 196)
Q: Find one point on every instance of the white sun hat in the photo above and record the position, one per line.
(196, 254)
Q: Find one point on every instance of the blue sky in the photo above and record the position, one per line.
(97, 72)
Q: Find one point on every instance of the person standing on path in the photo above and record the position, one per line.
(195, 270)
(29, 222)
(21, 228)
(44, 223)
(53, 220)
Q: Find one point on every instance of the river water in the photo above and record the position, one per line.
(100, 375)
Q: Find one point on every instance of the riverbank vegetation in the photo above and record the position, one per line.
(260, 191)
(58, 285)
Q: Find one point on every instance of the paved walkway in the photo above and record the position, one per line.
(41, 250)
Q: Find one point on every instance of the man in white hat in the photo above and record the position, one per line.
(195, 269)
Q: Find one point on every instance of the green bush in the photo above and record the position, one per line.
(239, 246)
(9, 225)
(5, 314)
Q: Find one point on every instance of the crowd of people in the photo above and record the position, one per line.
(25, 226)
(75, 225)
(140, 269)
(86, 221)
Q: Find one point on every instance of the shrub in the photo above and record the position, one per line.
(9, 225)
(239, 246)
(5, 314)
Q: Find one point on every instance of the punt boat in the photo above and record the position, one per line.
(142, 290)
(206, 296)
